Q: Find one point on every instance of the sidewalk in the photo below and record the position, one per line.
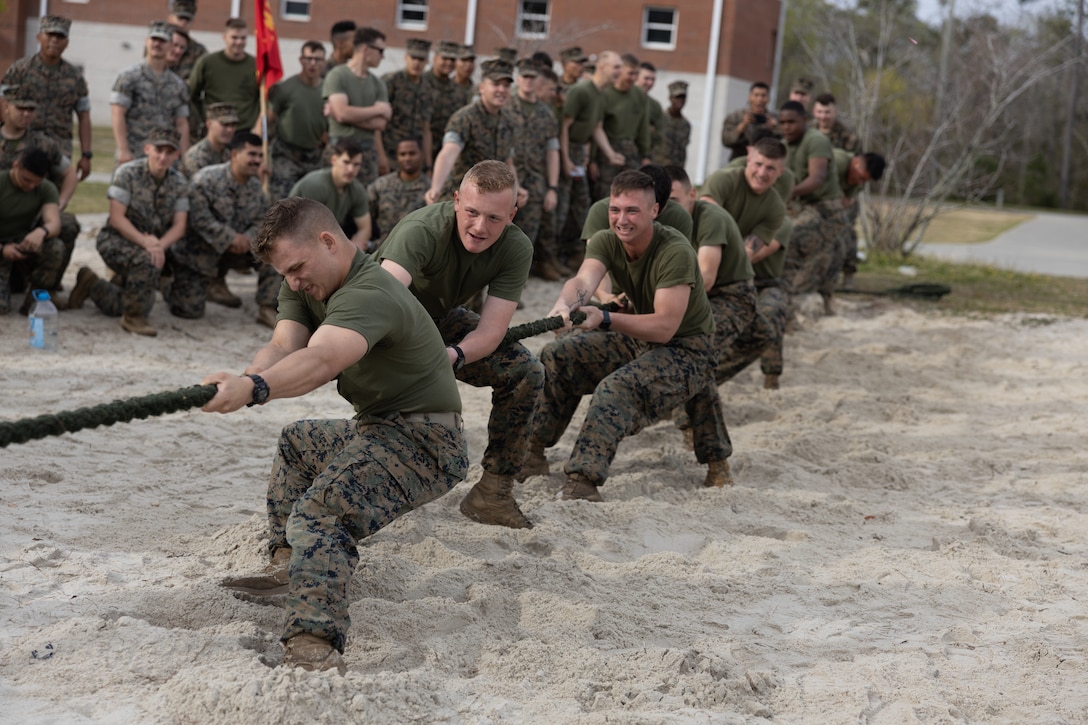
(1049, 243)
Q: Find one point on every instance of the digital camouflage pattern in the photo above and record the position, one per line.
(150, 102)
(413, 106)
(289, 165)
(59, 90)
(843, 137)
(485, 136)
(535, 133)
(762, 339)
(203, 154)
(447, 98)
(184, 68)
(607, 171)
(815, 246)
(675, 137)
(335, 482)
(391, 198)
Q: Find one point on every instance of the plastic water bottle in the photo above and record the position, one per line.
(43, 322)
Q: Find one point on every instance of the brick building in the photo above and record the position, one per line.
(677, 36)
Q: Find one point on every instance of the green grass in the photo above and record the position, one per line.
(90, 198)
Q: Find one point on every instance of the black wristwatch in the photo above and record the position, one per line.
(553, 188)
(460, 361)
(606, 322)
(88, 154)
(260, 391)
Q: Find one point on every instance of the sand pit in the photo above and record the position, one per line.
(906, 543)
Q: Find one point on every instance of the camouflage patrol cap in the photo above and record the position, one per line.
(466, 52)
(802, 85)
(573, 54)
(510, 55)
(54, 25)
(183, 9)
(528, 68)
(224, 113)
(678, 88)
(448, 49)
(165, 136)
(160, 29)
(497, 70)
(418, 48)
(20, 96)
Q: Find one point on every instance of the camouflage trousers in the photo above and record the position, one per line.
(815, 245)
(136, 296)
(551, 224)
(633, 384)
(578, 203)
(607, 171)
(69, 233)
(516, 378)
(850, 238)
(335, 482)
(289, 164)
(40, 271)
(187, 294)
(763, 337)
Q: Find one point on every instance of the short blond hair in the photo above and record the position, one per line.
(490, 177)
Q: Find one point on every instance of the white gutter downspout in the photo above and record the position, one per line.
(43, 10)
(711, 83)
(470, 22)
(236, 8)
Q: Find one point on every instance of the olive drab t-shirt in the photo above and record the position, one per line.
(713, 226)
(814, 145)
(361, 92)
(758, 214)
(406, 368)
(585, 104)
(669, 261)
(350, 203)
(444, 273)
(673, 215)
(21, 208)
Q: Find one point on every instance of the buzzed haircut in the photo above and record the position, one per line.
(754, 134)
(35, 161)
(794, 106)
(677, 174)
(298, 218)
(759, 84)
(662, 183)
(367, 36)
(542, 59)
(348, 146)
(412, 139)
(771, 148)
(825, 99)
(630, 180)
(342, 27)
(874, 164)
(236, 24)
(647, 65)
(490, 177)
(243, 138)
(629, 60)
(313, 46)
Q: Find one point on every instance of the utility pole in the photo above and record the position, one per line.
(1071, 115)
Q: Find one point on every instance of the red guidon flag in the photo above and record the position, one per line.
(269, 65)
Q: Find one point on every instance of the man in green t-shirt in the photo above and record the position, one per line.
(854, 170)
(228, 76)
(338, 188)
(446, 253)
(29, 225)
(335, 482)
(626, 123)
(639, 366)
(296, 106)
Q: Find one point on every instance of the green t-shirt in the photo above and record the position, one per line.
(783, 186)
(351, 203)
(360, 92)
(299, 109)
(627, 116)
(217, 79)
(758, 214)
(814, 145)
(406, 368)
(585, 104)
(669, 261)
(19, 209)
(713, 226)
(842, 168)
(673, 215)
(771, 267)
(445, 274)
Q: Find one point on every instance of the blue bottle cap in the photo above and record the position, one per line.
(41, 294)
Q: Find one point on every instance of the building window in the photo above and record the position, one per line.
(533, 18)
(659, 28)
(295, 9)
(412, 14)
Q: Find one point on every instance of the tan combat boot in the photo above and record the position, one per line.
(717, 475)
(220, 294)
(271, 582)
(579, 487)
(85, 279)
(313, 654)
(138, 325)
(491, 501)
(770, 382)
(536, 464)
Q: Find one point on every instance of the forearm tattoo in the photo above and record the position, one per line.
(583, 295)
(754, 243)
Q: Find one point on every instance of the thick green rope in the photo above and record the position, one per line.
(119, 411)
(539, 327)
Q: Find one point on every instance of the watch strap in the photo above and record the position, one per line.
(260, 390)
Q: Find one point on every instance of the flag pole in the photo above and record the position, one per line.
(264, 136)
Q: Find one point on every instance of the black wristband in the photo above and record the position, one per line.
(260, 391)
(460, 361)
(554, 188)
(606, 322)
(44, 229)
(88, 155)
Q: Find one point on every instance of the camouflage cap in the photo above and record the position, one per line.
(165, 136)
(678, 88)
(20, 96)
(802, 85)
(160, 29)
(497, 70)
(223, 113)
(528, 68)
(183, 8)
(574, 53)
(466, 52)
(54, 25)
(510, 55)
(448, 49)
(418, 48)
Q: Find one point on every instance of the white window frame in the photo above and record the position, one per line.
(416, 6)
(647, 26)
(295, 16)
(523, 16)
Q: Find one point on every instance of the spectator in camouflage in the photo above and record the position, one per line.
(413, 104)
(395, 195)
(676, 134)
(215, 147)
(29, 223)
(446, 96)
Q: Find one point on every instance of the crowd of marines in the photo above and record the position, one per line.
(392, 228)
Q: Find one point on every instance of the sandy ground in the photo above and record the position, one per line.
(905, 543)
